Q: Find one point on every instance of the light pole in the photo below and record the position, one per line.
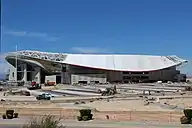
(16, 64)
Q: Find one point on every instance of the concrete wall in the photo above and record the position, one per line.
(12, 73)
(36, 75)
(113, 76)
(166, 74)
(181, 77)
(65, 77)
(74, 74)
(21, 69)
(90, 78)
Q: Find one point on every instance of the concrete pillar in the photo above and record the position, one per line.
(38, 69)
(15, 74)
(65, 75)
(62, 77)
(25, 72)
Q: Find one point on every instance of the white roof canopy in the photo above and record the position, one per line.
(108, 61)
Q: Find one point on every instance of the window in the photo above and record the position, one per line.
(126, 72)
(126, 77)
(29, 68)
(144, 77)
(137, 73)
(64, 69)
(13, 74)
(18, 68)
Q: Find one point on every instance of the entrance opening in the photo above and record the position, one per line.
(58, 79)
(82, 82)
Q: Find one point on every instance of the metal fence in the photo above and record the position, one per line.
(103, 115)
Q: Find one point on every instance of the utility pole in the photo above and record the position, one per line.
(16, 64)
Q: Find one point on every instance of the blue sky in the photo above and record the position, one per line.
(162, 27)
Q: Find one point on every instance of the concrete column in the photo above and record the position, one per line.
(38, 69)
(25, 72)
(15, 74)
(65, 76)
(62, 77)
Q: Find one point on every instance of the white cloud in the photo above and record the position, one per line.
(16, 33)
(89, 50)
(43, 36)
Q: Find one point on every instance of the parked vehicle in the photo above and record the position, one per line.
(43, 96)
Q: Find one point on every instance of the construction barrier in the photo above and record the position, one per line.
(161, 116)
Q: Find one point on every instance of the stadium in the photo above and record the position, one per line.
(92, 68)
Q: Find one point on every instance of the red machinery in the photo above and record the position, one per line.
(34, 86)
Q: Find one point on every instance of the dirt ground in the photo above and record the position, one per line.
(129, 105)
(116, 110)
(159, 116)
(182, 102)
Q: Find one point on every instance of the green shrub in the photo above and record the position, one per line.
(188, 113)
(47, 121)
(184, 120)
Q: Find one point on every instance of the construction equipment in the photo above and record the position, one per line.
(189, 88)
(51, 80)
(43, 97)
(34, 86)
(108, 91)
(20, 92)
(85, 115)
(50, 84)
(25, 93)
(10, 114)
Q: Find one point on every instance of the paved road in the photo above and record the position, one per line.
(17, 123)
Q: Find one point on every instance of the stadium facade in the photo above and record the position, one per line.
(92, 68)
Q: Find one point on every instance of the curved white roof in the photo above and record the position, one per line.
(109, 62)
(123, 62)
